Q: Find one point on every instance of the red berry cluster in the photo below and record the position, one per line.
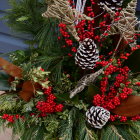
(72, 3)
(48, 90)
(113, 93)
(49, 106)
(135, 118)
(135, 48)
(123, 118)
(11, 118)
(137, 83)
(62, 30)
(85, 29)
(124, 56)
(117, 117)
(66, 36)
(102, 63)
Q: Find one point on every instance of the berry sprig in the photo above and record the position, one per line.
(123, 118)
(49, 106)
(111, 96)
(67, 39)
(11, 118)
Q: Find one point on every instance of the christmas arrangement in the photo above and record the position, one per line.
(77, 80)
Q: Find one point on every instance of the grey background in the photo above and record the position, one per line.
(11, 41)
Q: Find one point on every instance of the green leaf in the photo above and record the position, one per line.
(133, 61)
(28, 106)
(4, 84)
(92, 91)
(23, 18)
(125, 2)
(62, 97)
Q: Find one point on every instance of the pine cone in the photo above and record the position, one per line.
(112, 4)
(87, 54)
(97, 116)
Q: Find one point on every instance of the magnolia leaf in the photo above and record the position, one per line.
(28, 91)
(129, 107)
(10, 68)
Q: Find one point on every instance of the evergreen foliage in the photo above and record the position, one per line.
(46, 50)
(126, 2)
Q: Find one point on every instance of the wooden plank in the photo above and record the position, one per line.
(9, 43)
(4, 4)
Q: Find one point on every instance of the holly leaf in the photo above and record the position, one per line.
(62, 97)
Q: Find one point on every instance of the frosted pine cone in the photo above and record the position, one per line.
(87, 54)
(112, 4)
(97, 116)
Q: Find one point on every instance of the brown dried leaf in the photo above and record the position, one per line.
(28, 91)
(129, 107)
(10, 68)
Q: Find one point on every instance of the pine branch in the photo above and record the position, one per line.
(25, 17)
(111, 133)
(18, 127)
(116, 132)
(82, 132)
(134, 130)
(9, 102)
(90, 135)
(136, 125)
(124, 131)
(26, 8)
(65, 130)
(135, 135)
